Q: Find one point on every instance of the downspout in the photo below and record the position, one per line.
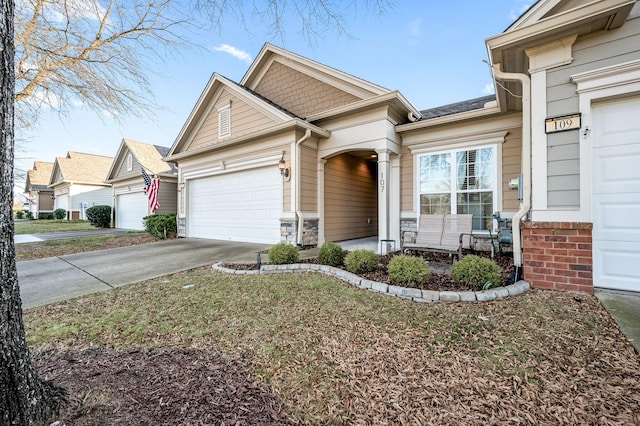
(298, 179)
(526, 160)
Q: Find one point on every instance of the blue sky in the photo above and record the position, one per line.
(429, 50)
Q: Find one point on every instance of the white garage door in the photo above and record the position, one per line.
(240, 206)
(130, 209)
(616, 195)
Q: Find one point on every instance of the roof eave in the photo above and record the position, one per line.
(394, 98)
(447, 119)
(293, 124)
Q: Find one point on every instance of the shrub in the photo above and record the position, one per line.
(283, 253)
(19, 214)
(46, 216)
(29, 215)
(99, 216)
(407, 270)
(60, 214)
(331, 254)
(361, 260)
(161, 225)
(477, 272)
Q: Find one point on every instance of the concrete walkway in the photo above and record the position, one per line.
(54, 279)
(624, 307)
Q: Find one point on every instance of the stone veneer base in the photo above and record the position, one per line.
(414, 294)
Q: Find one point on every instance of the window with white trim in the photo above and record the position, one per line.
(224, 121)
(460, 181)
(129, 162)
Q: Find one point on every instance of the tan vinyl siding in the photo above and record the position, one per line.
(511, 168)
(299, 93)
(168, 198)
(244, 120)
(309, 179)
(589, 53)
(286, 184)
(406, 181)
(350, 198)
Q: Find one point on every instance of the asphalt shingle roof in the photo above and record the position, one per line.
(456, 108)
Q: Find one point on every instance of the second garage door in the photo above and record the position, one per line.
(130, 209)
(616, 195)
(240, 206)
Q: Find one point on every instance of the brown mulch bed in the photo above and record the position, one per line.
(150, 387)
(439, 279)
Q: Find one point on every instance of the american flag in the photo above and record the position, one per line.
(152, 188)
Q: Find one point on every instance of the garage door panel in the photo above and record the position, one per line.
(616, 169)
(618, 266)
(616, 195)
(240, 206)
(617, 217)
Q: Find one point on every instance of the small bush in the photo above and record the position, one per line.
(361, 260)
(408, 270)
(60, 214)
(331, 254)
(477, 272)
(19, 214)
(45, 216)
(283, 254)
(29, 215)
(99, 216)
(161, 226)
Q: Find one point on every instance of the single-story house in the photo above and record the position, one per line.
(125, 175)
(301, 152)
(78, 182)
(37, 189)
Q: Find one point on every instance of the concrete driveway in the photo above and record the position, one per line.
(58, 278)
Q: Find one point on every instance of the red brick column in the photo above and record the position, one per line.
(558, 255)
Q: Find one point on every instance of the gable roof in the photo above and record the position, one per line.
(346, 82)
(205, 103)
(79, 167)
(38, 177)
(148, 155)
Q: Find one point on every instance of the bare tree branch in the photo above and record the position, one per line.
(71, 52)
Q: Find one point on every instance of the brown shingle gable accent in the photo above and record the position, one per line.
(299, 93)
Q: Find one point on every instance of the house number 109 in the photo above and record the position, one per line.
(561, 124)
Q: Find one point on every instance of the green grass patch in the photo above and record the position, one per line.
(40, 226)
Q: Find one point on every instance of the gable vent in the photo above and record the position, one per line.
(224, 121)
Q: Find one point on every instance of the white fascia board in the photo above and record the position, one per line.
(548, 25)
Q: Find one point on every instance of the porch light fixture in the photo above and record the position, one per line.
(282, 165)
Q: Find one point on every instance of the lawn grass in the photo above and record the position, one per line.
(45, 225)
(54, 248)
(337, 354)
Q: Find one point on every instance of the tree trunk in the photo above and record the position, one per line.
(25, 399)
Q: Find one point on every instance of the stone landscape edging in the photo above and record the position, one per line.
(414, 294)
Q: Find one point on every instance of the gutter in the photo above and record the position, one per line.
(298, 178)
(526, 159)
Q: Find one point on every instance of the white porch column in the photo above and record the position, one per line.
(321, 164)
(384, 199)
(394, 205)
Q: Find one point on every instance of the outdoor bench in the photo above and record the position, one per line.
(444, 233)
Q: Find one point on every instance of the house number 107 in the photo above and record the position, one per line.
(381, 181)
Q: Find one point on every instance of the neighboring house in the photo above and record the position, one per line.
(37, 189)
(125, 175)
(360, 160)
(78, 182)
